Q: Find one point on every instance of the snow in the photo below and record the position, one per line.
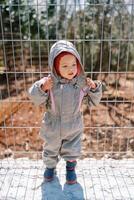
(97, 180)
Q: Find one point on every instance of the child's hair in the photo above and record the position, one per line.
(57, 62)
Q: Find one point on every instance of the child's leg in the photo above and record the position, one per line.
(70, 172)
(50, 158)
(49, 174)
(50, 170)
(70, 151)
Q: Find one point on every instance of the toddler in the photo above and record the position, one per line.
(62, 93)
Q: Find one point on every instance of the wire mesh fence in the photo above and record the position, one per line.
(103, 32)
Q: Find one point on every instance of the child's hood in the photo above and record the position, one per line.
(61, 46)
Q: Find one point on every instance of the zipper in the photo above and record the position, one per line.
(61, 87)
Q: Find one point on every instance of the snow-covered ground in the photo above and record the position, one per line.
(97, 180)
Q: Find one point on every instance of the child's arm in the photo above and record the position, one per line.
(38, 92)
(93, 91)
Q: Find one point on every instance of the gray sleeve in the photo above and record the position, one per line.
(94, 95)
(36, 94)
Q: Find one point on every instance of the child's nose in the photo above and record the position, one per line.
(71, 68)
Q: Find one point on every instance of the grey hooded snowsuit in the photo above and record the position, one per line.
(62, 124)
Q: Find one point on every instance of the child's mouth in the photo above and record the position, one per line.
(70, 74)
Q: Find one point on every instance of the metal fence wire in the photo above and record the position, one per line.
(103, 32)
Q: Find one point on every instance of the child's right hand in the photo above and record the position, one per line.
(48, 84)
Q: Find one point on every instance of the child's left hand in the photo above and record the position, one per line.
(90, 83)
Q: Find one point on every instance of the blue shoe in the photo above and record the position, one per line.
(49, 174)
(70, 173)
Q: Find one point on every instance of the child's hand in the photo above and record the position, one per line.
(48, 84)
(90, 83)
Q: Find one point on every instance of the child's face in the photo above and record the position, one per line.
(68, 66)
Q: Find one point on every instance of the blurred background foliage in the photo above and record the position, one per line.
(101, 30)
